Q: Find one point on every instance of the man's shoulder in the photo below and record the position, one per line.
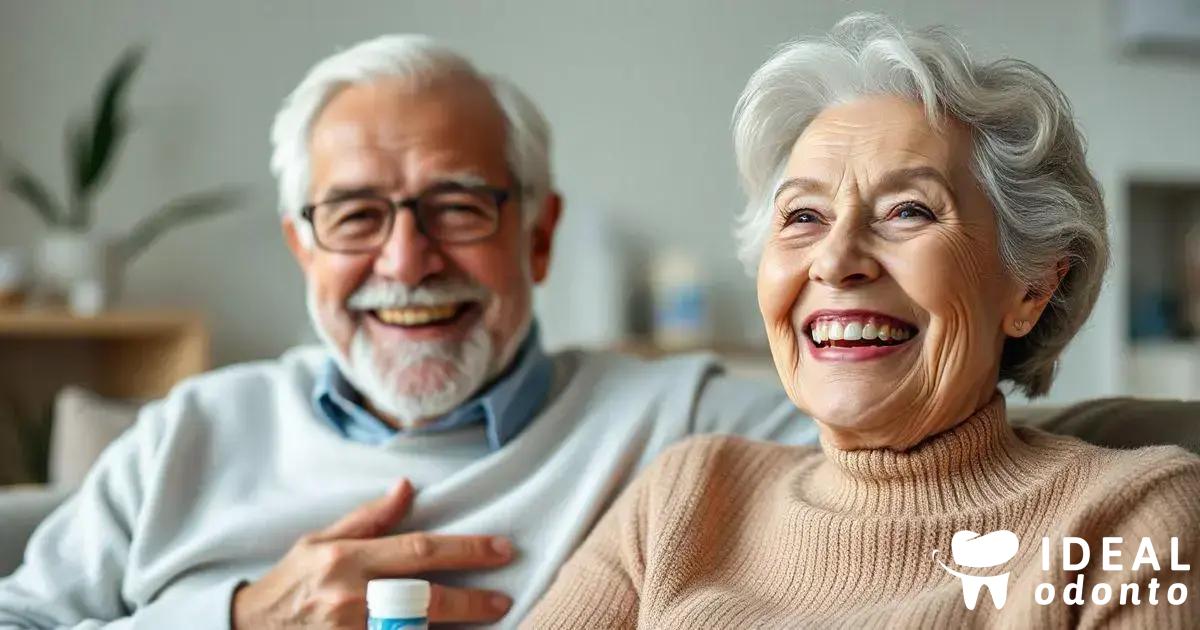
(243, 390)
(702, 365)
(619, 362)
(608, 369)
(297, 367)
(693, 388)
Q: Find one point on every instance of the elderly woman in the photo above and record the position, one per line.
(924, 227)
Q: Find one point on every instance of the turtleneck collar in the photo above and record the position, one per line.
(977, 463)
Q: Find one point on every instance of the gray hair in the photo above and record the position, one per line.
(418, 58)
(1028, 156)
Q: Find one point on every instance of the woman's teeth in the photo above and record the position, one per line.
(858, 330)
(416, 315)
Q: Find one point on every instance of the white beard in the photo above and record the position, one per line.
(422, 379)
(418, 380)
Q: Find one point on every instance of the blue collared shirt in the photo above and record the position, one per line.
(504, 408)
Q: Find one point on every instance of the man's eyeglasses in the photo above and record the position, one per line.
(446, 213)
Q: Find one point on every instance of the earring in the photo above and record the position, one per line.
(1019, 325)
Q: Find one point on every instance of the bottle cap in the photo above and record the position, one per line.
(398, 598)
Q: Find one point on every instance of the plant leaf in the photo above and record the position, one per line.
(108, 129)
(186, 209)
(26, 187)
(79, 151)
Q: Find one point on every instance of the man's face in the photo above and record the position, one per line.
(419, 325)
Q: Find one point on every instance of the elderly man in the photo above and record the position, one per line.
(417, 199)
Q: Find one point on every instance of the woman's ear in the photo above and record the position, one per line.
(1030, 302)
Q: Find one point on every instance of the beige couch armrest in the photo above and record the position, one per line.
(22, 508)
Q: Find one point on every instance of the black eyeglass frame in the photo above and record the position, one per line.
(501, 196)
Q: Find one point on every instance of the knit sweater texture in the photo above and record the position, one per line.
(724, 532)
(216, 482)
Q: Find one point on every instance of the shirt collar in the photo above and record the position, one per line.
(505, 407)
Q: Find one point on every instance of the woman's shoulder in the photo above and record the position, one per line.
(1123, 476)
(706, 479)
(1164, 456)
(697, 460)
(732, 450)
(1151, 469)
(1153, 491)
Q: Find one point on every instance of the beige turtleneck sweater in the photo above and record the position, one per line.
(721, 532)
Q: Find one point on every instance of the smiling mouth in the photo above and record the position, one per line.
(859, 330)
(421, 316)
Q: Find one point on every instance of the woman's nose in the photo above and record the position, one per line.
(840, 260)
(408, 255)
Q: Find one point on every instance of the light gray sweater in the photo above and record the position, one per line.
(218, 480)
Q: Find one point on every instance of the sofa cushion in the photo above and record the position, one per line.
(13, 466)
(84, 425)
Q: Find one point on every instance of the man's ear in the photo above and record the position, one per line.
(542, 237)
(1031, 301)
(295, 242)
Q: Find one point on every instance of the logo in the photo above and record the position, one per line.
(982, 552)
(986, 551)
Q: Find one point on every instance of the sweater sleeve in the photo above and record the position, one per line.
(74, 569)
(1159, 508)
(601, 585)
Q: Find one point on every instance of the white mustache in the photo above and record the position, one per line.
(387, 294)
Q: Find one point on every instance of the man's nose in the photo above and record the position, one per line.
(408, 255)
(841, 261)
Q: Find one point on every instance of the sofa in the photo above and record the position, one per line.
(84, 424)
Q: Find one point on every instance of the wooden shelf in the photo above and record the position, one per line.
(122, 354)
(56, 323)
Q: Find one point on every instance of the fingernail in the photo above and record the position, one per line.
(502, 546)
(500, 602)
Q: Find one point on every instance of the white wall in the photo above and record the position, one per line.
(639, 94)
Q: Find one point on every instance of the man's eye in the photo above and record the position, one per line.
(912, 210)
(458, 208)
(357, 215)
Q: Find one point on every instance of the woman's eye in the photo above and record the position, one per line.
(802, 215)
(912, 210)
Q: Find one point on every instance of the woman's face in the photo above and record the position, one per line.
(881, 285)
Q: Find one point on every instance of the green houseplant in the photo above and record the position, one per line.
(74, 257)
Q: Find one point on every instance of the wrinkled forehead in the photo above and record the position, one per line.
(879, 133)
(393, 133)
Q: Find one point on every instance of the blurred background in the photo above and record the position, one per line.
(639, 95)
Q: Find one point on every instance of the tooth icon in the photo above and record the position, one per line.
(997, 586)
(970, 549)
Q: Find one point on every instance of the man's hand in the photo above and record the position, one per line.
(322, 581)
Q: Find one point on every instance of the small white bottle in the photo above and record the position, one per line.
(395, 604)
(680, 295)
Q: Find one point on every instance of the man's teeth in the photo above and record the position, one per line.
(856, 330)
(416, 315)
